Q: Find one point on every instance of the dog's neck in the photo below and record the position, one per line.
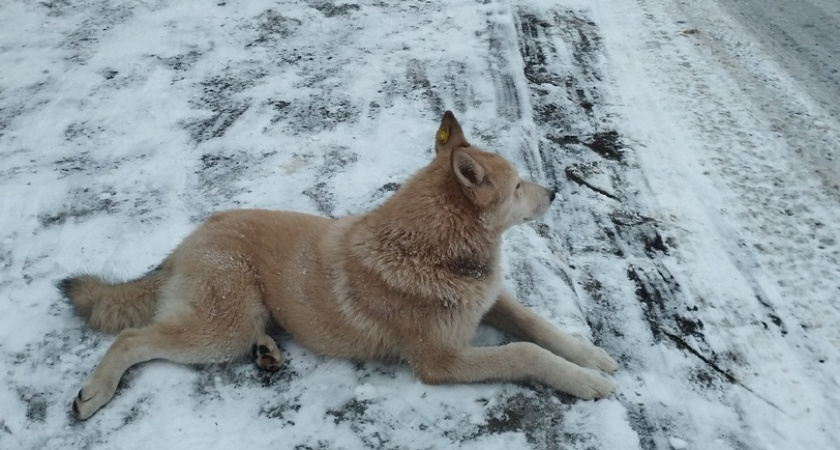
(430, 222)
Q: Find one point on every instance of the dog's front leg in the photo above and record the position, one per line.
(518, 361)
(510, 316)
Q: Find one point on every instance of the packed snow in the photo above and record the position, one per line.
(695, 238)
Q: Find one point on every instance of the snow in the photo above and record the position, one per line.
(695, 235)
(677, 443)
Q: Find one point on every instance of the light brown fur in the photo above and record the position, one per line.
(409, 280)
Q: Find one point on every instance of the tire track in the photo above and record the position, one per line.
(508, 102)
(614, 246)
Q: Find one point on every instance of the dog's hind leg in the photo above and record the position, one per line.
(132, 346)
(510, 316)
(198, 322)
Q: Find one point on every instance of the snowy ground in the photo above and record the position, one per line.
(696, 239)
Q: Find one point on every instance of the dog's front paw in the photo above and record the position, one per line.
(591, 385)
(597, 358)
(90, 398)
(592, 357)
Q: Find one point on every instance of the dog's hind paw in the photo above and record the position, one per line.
(90, 399)
(266, 354)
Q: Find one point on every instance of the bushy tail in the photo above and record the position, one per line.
(112, 307)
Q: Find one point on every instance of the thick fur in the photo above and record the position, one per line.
(410, 280)
(112, 307)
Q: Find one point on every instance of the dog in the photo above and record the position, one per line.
(410, 280)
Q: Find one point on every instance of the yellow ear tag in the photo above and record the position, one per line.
(442, 136)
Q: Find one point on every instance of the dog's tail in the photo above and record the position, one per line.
(111, 307)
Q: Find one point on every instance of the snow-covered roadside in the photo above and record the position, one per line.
(692, 241)
(735, 153)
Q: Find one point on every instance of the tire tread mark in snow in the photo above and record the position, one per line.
(574, 133)
(419, 82)
(564, 98)
(683, 345)
(606, 144)
(508, 103)
(336, 160)
(574, 174)
(219, 96)
(220, 173)
(577, 79)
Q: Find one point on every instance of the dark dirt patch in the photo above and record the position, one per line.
(85, 203)
(234, 373)
(330, 9)
(137, 411)
(638, 417)
(655, 244)
(357, 414)
(603, 330)
(272, 26)
(432, 93)
(653, 290)
(109, 74)
(539, 416)
(221, 97)
(320, 113)
(353, 411)
(178, 63)
(220, 173)
(78, 130)
(103, 17)
(420, 85)
(689, 326)
(321, 194)
(580, 173)
(641, 233)
(522, 272)
(389, 187)
(57, 8)
(283, 411)
(705, 377)
(771, 314)
(607, 144)
(524, 413)
(322, 445)
(36, 407)
(77, 163)
(335, 160)
(215, 126)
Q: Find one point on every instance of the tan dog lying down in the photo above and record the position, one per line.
(410, 280)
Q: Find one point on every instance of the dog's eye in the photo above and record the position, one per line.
(518, 185)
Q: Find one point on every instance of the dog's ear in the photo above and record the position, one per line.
(466, 169)
(449, 134)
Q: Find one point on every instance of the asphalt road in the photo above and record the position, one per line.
(805, 34)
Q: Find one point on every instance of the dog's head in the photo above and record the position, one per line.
(489, 181)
